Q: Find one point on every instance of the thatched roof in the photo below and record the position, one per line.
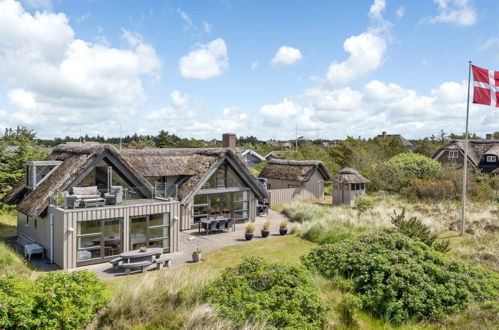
(349, 175)
(191, 164)
(476, 149)
(294, 170)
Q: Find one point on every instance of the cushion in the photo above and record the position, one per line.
(92, 190)
(115, 190)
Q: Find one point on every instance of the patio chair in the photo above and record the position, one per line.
(114, 196)
(212, 226)
(221, 224)
(230, 224)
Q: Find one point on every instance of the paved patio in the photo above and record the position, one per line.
(191, 240)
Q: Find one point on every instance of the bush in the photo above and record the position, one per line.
(363, 203)
(398, 278)
(347, 307)
(56, 300)
(415, 229)
(430, 190)
(278, 294)
(401, 170)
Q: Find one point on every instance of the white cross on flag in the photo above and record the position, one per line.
(485, 86)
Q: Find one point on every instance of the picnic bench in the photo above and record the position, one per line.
(136, 264)
(163, 262)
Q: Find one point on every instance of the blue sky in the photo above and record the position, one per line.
(201, 68)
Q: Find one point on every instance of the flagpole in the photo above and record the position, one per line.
(465, 161)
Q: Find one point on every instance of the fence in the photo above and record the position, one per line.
(287, 195)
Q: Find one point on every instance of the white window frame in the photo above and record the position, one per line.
(491, 159)
(453, 154)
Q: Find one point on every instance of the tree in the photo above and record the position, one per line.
(13, 162)
(142, 142)
(165, 139)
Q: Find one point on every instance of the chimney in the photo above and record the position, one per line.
(489, 136)
(229, 140)
(383, 134)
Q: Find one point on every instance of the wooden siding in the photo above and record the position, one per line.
(288, 195)
(65, 248)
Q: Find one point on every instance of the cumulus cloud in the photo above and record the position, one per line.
(458, 12)
(286, 56)
(366, 50)
(206, 61)
(376, 9)
(281, 112)
(70, 82)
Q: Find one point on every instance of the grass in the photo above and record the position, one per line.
(170, 298)
(11, 262)
(480, 244)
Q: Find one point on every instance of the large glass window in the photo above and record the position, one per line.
(224, 177)
(226, 205)
(151, 230)
(98, 239)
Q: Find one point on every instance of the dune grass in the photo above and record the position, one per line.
(480, 244)
(11, 262)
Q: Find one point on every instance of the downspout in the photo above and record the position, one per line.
(51, 217)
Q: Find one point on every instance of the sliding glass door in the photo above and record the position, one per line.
(98, 240)
(151, 231)
(227, 205)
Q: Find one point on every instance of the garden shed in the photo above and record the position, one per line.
(347, 185)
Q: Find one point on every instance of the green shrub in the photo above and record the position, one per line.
(280, 295)
(401, 170)
(435, 190)
(347, 307)
(334, 237)
(56, 300)
(415, 229)
(363, 203)
(398, 278)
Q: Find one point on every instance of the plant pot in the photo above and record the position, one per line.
(283, 231)
(196, 257)
(265, 233)
(248, 236)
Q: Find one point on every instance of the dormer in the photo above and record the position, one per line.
(38, 171)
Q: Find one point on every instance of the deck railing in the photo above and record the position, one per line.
(129, 196)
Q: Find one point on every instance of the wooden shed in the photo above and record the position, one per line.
(347, 185)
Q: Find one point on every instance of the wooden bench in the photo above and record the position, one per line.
(163, 262)
(138, 264)
(116, 262)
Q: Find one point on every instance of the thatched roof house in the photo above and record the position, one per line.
(294, 170)
(483, 154)
(192, 164)
(349, 175)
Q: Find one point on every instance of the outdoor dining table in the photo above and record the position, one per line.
(136, 255)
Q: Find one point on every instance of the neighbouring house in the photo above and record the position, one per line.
(85, 204)
(285, 144)
(482, 154)
(332, 143)
(402, 139)
(347, 185)
(309, 175)
(251, 157)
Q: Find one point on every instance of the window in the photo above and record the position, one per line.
(227, 205)
(224, 177)
(150, 230)
(491, 159)
(98, 240)
(453, 154)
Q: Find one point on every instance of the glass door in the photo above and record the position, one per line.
(98, 240)
(215, 211)
(151, 231)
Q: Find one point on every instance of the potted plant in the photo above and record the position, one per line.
(143, 249)
(266, 229)
(283, 227)
(196, 255)
(250, 229)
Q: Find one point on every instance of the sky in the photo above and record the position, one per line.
(329, 69)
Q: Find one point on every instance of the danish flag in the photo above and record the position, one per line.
(485, 86)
